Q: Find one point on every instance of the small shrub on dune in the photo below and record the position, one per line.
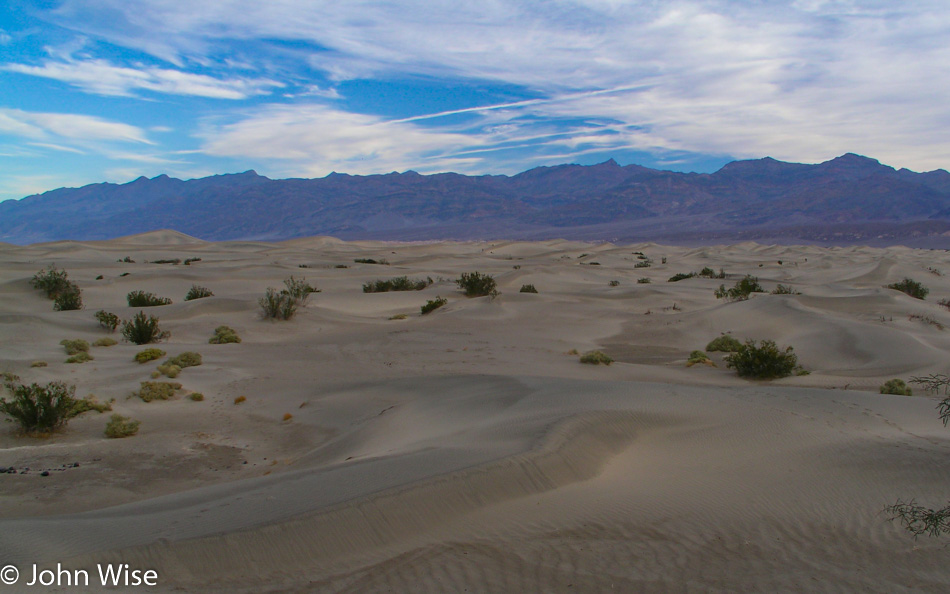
(196, 396)
(699, 358)
(39, 410)
(527, 289)
(643, 281)
(87, 404)
(596, 358)
(680, 276)
(287, 417)
(74, 347)
(188, 261)
(39, 364)
(143, 299)
(433, 304)
(277, 305)
(896, 386)
(240, 399)
(107, 320)
(174, 261)
(785, 290)
(708, 272)
(476, 284)
(764, 361)
(70, 299)
(381, 261)
(51, 281)
(149, 391)
(724, 343)
(186, 359)
(742, 289)
(400, 283)
(80, 358)
(614, 283)
(398, 317)
(196, 292)
(105, 342)
(169, 371)
(299, 290)
(119, 427)
(224, 335)
(142, 329)
(149, 355)
(910, 287)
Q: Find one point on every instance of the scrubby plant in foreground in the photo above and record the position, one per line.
(433, 304)
(724, 343)
(910, 287)
(51, 281)
(143, 329)
(107, 320)
(299, 290)
(742, 289)
(224, 335)
(400, 283)
(763, 361)
(149, 391)
(119, 427)
(69, 299)
(39, 409)
(143, 299)
(596, 358)
(896, 386)
(196, 292)
(277, 305)
(476, 284)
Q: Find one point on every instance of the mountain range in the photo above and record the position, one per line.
(849, 199)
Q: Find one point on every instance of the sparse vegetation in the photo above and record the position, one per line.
(699, 357)
(240, 399)
(149, 391)
(186, 359)
(119, 427)
(188, 261)
(476, 284)
(596, 358)
(143, 299)
(107, 320)
(75, 346)
(763, 361)
(785, 290)
(51, 281)
(89, 403)
(614, 283)
(169, 371)
(196, 396)
(224, 335)
(80, 358)
(39, 410)
(897, 387)
(724, 343)
(708, 272)
(277, 305)
(38, 364)
(399, 317)
(381, 261)
(910, 287)
(433, 304)
(681, 276)
(69, 299)
(643, 264)
(927, 319)
(167, 261)
(142, 329)
(149, 354)
(527, 289)
(742, 289)
(299, 290)
(197, 292)
(400, 283)
(105, 342)
(643, 281)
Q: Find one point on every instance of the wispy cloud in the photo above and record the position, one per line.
(37, 125)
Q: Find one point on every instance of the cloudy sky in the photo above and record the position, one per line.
(108, 90)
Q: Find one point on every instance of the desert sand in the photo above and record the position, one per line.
(469, 449)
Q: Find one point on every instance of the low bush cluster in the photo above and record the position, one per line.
(382, 261)
(763, 361)
(39, 410)
(107, 320)
(910, 287)
(680, 276)
(119, 427)
(144, 299)
(400, 283)
(433, 304)
(277, 305)
(708, 272)
(197, 292)
(527, 289)
(143, 329)
(476, 284)
(224, 335)
(724, 343)
(65, 294)
(149, 355)
(896, 386)
(596, 358)
(742, 289)
(699, 357)
(149, 391)
(74, 347)
(186, 359)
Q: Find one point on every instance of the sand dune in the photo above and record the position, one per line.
(467, 449)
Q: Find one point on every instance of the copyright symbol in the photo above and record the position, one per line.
(9, 575)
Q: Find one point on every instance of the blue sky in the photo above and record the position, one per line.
(108, 90)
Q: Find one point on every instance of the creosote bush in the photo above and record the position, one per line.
(596, 358)
(763, 361)
(107, 320)
(149, 355)
(400, 283)
(196, 292)
(224, 335)
(39, 410)
(277, 305)
(476, 284)
(299, 290)
(911, 287)
(433, 304)
(149, 391)
(896, 386)
(742, 289)
(643, 281)
(119, 427)
(724, 343)
(527, 289)
(70, 299)
(142, 329)
(143, 299)
(51, 281)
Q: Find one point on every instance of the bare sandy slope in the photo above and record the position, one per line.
(468, 449)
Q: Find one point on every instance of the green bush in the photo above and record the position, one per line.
(400, 283)
(475, 284)
(277, 305)
(69, 299)
(765, 361)
(105, 342)
(39, 409)
(186, 359)
(724, 343)
(911, 287)
(596, 358)
(699, 357)
(89, 403)
(896, 386)
(224, 335)
(142, 329)
(149, 391)
(51, 281)
(119, 427)
(167, 370)
(80, 358)
(643, 281)
(39, 364)
(528, 289)
(196, 396)
(196, 292)
(75, 346)
(614, 283)
(149, 355)
(742, 289)
(433, 304)
(708, 272)
(299, 289)
(681, 276)
(107, 320)
(143, 299)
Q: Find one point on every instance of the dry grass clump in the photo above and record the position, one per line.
(150, 391)
(74, 347)
(240, 399)
(896, 386)
(143, 299)
(785, 290)
(105, 342)
(89, 403)
(224, 335)
(170, 371)
(196, 292)
(596, 358)
(39, 364)
(186, 359)
(149, 354)
(81, 357)
(399, 317)
(119, 427)
(196, 396)
(699, 357)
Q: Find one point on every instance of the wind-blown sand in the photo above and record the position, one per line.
(467, 449)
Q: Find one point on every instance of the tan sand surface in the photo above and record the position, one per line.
(468, 449)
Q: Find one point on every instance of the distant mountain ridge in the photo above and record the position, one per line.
(848, 199)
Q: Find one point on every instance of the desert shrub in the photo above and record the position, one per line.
(398, 317)
(614, 283)
(742, 289)
(699, 357)
(224, 335)
(80, 358)
(382, 261)
(785, 290)
(167, 261)
(240, 399)
(107, 320)
(149, 355)
(681, 276)
(400, 283)
(105, 342)
(196, 396)
(911, 287)
(9, 376)
(596, 358)
(643, 281)
(69, 299)
(39, 409)
(724, 343)
(119, 427)
(277, 305)
(764, 361)
(51, 281)
(149, 391)
(196, 292)
(75, 346)
(643, 264)
(188, 261)
(708, 272)
(143, 299)
(475, 284)
(89, 403)
(186, 359)
(127, 260)
(433, 304)
(288, 416)
(142, 329)
(896, 386)
(299, 289)
(39, 364)
(527, 289)
(170, 371)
